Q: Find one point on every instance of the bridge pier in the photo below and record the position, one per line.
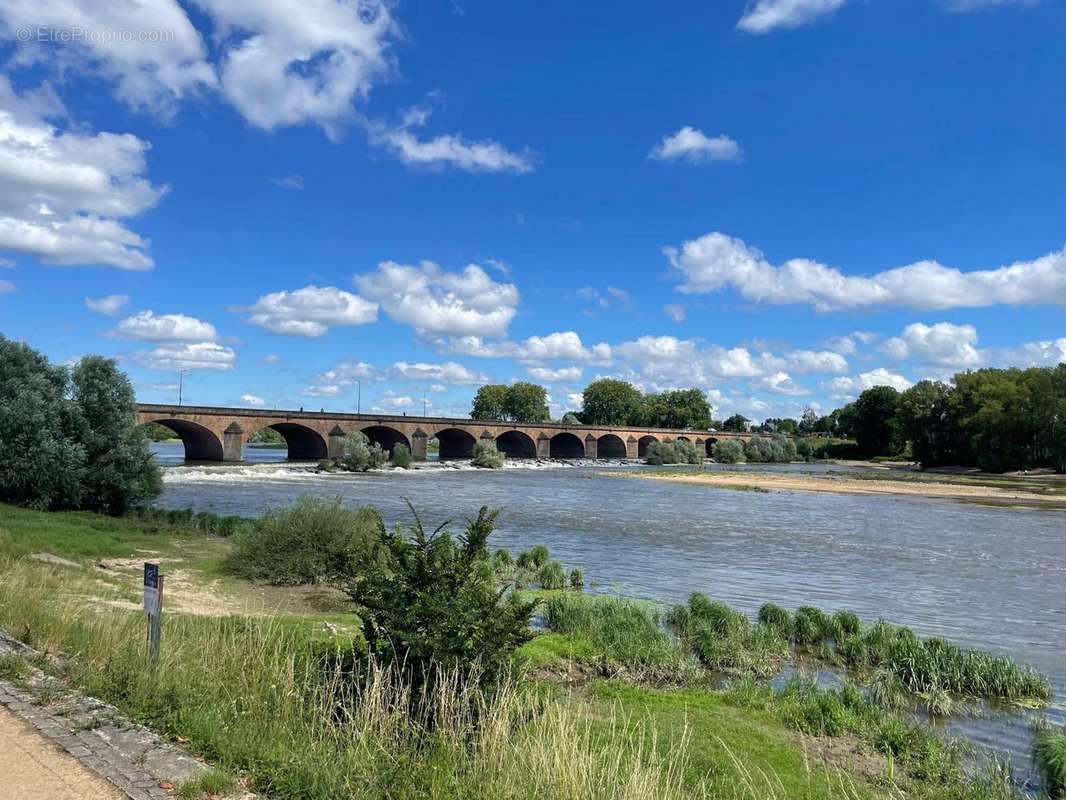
(233, 443)
(632, 449)
(544, 446)
(592, 446)
(419, 439)
(335, 442)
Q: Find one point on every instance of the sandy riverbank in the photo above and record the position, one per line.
(848, 485)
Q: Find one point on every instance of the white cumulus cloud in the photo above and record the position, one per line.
(449, 150)
(311, 311)
(435, 301)
(253, 400)
(161, 61)
(151, 327)
(109, 305)
(943, 344)
(763, 16)
(294, 62)
(695, 147)
(198, 355)
(449, 372)
(781, 383)
(65, 193)
(549, 375)
(715, 261)
(848, 388)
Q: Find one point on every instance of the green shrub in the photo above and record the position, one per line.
(552, 576)
(577, 580)
(729, 451)
(361, 455)
(679, 451)
(777, 618)
(425, 606)
(659, 453)
(503, 564)
(312, 541)
(401, 457)
(623, 632)
(1049, 757)
(844, 624)
(538, 556)
(809, 625)
(487, 456)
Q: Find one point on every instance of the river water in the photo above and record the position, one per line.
(980, 576)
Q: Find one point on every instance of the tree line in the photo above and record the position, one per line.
(995, 419)
(604, 402)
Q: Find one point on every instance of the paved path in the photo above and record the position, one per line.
(34, 768)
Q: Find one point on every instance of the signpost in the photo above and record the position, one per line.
(153, 604)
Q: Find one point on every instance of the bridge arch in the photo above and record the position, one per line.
(455, 443)
(515, 444)
(201, 444)
(303, 443)
(566, 445)
(709, 446)
(610, 446)
(642, 445)
(387, 437)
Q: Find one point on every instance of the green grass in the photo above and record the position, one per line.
(732, 750)
(622, 633)
(81, 535)
(1049, 757)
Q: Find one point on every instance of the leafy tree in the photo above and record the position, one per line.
(610, 402)
(922, 419)
(785, 425)
(68, 440)
(490, 402)
(679, 409)
(808, 423)
(874, 424)
(426, 605)
(570, 418)
(736, 423)
(119, 469)
(526, 402)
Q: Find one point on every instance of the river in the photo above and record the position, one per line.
(980, 576)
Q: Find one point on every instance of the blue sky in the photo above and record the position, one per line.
(781, 202)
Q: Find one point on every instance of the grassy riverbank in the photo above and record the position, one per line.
(605, 705)
(1049, 492)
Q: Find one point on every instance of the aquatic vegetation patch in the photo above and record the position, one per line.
(623, 632)
(1049, 757)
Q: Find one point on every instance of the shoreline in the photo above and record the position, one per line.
(879, 485)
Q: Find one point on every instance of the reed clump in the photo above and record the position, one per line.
(1049, 758)
(724, 639)
(624, 633)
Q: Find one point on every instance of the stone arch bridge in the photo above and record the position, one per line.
(219, 434)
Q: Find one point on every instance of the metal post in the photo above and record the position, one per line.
(181, 383)
(155, 628)
(359, 396)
